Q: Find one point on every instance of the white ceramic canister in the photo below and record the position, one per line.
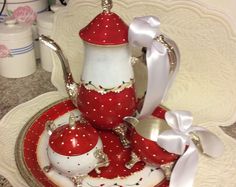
(18, 8)
(26, 11)
(45, 24)
(17, 58)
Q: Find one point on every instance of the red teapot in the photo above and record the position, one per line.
(106, 93)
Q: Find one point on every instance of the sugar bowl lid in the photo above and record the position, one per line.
(74, 139)
(12, 30)
(107, 28)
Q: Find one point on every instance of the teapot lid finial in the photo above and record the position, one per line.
(107, 28)
(107, 5)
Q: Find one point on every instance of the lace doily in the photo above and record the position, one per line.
(205, 84)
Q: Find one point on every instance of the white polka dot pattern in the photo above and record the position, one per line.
(105, 29)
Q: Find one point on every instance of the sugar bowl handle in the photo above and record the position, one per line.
(50, 127)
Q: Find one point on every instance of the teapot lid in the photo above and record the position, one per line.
(107, 28)
(74, 139)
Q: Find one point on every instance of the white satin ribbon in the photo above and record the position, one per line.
(142, 33)
(179, 141)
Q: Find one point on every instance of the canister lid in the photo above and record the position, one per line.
(11, 30)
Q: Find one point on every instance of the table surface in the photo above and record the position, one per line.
(17, 91)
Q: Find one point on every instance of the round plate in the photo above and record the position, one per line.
(31, 156)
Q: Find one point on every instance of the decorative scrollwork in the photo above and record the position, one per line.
(100, 89)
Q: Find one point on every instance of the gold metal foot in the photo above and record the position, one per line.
(133, 161)
(167, 169)
(47, 169)
(103, 160)
(121, 131)
(78, 180)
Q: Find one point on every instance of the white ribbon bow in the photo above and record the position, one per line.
(179, 141)
(142, 33)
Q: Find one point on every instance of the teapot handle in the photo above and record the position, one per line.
(151, 100)
(171, 50)
(162, 59)
(174, 58)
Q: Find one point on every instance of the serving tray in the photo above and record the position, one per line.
(31, 155)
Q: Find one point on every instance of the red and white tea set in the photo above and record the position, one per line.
(107, 100)
(75, 149)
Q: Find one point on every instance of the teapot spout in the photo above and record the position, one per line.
(71, 86)
(56, 48)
